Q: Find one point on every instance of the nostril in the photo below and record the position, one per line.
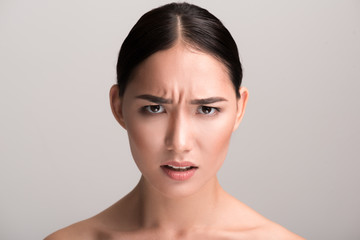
(177, 144)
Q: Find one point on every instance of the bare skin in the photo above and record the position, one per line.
(180, 127)
(229, 219)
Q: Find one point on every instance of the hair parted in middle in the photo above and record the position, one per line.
(160, 28)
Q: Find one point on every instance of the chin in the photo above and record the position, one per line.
(177, 189)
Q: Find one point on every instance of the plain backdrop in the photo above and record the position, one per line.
(294, 159)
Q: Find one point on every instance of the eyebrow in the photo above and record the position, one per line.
(154, 99)
(201, 101)
(204, 101)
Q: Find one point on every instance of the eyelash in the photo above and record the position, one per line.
(214, 110)
(147, 110)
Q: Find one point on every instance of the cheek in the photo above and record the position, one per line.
(145, 138)
(214, 138)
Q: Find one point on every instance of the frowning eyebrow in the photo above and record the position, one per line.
(160, 100)
(154, 99)
(204, 101)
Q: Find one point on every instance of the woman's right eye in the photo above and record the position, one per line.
(154, 109)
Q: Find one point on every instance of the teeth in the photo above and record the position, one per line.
(179, 168)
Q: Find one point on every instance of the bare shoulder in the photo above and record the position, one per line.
(110, 223)
(249, 224)
(276, 232)
(264, 228)
(78, 231)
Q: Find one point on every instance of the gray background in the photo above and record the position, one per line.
(294, 159)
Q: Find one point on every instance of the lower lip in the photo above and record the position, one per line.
(179, 175)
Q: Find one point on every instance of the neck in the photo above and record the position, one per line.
(195, 211)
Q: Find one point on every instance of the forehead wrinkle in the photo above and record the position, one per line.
(171, 93)
(173, 75)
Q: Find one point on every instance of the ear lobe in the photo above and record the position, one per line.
(116, 105)
(241, 105)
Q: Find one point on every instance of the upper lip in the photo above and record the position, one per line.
(179, 164)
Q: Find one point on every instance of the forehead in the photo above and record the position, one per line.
(181, 70)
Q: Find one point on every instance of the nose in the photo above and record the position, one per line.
(179, 137)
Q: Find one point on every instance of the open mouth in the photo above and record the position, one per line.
(179, 169)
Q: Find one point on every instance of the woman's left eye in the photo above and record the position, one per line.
(206, 110)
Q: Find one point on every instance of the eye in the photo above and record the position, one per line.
(206, 110)
(154, 109)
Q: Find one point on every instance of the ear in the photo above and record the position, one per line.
(241, 105)
(116, 105)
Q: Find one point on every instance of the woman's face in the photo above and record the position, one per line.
(179, 110)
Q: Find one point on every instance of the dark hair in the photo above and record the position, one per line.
(159, 29)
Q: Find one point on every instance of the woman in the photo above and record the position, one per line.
(179, 98)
